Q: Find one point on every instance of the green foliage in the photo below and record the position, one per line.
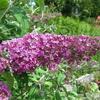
(4, 4)
(14, 21)
(86, 8)
(56, 5)
(40, 4)
(68, 26)
(46, 85)
(96, 9)
(76, 8)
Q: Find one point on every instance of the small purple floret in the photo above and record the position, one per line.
(5, 93)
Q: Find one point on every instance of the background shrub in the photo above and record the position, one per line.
(68, 26)
(79, 8)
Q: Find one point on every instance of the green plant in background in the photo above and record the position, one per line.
(67, 26)
(14, 21)
(79, 8)
(96, 5)
(72, 26)
(4, 4)
(56, 5)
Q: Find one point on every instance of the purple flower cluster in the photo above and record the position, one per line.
(5, 93)
(33, 50)
(3, 61)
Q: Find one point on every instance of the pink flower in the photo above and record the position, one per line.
(47, 50)
(5, 93)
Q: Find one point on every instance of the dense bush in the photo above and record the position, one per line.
(78, 8)
(49, 66)
(72, 26)
(68, 26)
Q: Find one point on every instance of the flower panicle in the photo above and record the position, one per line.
(34, 50)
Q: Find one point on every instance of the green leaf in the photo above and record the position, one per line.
(60, 78)
(57, 96)
(94, 87)
(31, 92)
(74, 94)
(23, 21)
(9, 79)
(3, 4)
(48, 84)
(40, 3)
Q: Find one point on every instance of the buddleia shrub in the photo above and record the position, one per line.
(48, 50)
